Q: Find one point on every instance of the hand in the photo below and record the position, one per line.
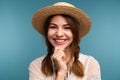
(59, 58)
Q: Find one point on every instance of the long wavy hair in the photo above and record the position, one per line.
(77, 67)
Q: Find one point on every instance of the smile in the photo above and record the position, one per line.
(59, 41)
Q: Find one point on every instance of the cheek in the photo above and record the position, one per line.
(49, 33)
(70, 35)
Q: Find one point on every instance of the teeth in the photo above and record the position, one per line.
(60, 40)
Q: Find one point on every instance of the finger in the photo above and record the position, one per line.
(59, 55)
(59, 48)
(58, 51)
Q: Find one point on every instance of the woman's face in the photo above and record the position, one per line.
(59, 32)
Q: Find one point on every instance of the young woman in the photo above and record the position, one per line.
(63, 26)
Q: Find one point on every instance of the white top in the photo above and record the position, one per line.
(92, 69)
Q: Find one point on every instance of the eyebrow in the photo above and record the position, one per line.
(52, 24)
(56, 24)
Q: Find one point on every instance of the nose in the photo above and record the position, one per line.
(59, 32)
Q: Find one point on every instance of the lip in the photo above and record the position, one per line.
(59, 41)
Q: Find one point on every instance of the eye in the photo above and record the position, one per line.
(67, 27)
(52, 26)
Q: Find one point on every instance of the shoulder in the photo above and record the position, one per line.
(37, 62)
(91, 64)
(35, 71)
(87, 59)
(39, 59)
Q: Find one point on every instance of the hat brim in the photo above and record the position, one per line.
(40, 17)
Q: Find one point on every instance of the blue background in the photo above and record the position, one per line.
(20, 43)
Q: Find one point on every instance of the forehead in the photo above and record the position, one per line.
(59, 19)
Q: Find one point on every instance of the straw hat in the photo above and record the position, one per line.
(61, 8)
